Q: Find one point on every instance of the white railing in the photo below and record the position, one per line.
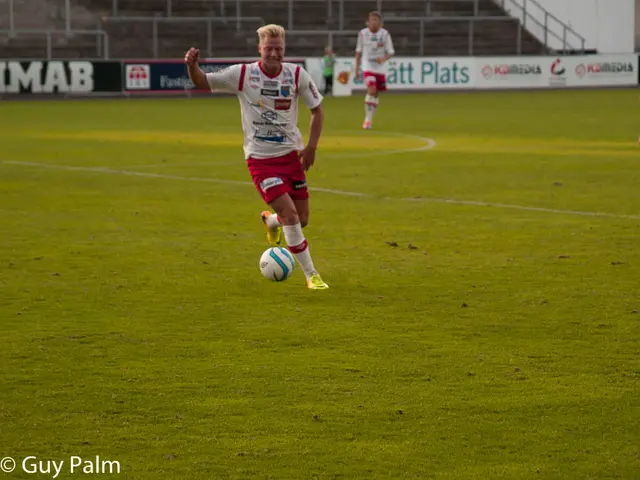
(223, 6)
(154, 36)
(543, 25)
(208, 21)
(226, 8)
(11, 15)
(330, 35)
(470, 30)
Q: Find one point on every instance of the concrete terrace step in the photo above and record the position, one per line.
(35, 46)
(135, 39)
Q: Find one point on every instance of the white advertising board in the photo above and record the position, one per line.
(404, 73)
(410, 73)
(602, 70)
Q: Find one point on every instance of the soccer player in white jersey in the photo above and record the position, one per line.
(374, 48)
(268, 91)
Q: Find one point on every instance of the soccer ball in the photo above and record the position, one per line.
(277, 264)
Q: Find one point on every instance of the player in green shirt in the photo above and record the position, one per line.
(328, 61)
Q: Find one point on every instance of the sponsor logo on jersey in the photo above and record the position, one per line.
(270, 136)
(269, 115)
(288, 78)
(282, 103)
(270, 124)
(285, 91)
(270, 182)
(271, 83)
(254, 78)
(269, 92)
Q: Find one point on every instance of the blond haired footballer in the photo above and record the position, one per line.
(268, 91)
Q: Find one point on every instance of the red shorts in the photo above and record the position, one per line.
(377, 79)
(276, 176)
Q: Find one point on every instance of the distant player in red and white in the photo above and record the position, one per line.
(268, 91)
(374, 48)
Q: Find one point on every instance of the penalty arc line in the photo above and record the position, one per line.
(451, 201)
(428, 144)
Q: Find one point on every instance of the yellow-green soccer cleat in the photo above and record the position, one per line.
(316, 283)
(274, 236)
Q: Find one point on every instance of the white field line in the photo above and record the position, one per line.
(451, 201)
(127, 172)
(429, 143)
(476, 203)
(167, 164)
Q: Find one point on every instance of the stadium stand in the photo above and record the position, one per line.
(166, 28)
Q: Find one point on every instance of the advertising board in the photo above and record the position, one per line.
(170, 76)
(59, 76)
(411, 73)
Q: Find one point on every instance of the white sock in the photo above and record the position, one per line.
(370, 105)
(273, 221)
(299, 247)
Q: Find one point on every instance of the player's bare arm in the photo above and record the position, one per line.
(308, 154)
(197, 76)
(357, 64)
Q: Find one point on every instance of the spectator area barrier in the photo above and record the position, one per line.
(135, 77)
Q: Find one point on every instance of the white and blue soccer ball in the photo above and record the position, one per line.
(277, 264)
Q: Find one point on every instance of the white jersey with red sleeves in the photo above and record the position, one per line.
(373, 46)
(269, 105)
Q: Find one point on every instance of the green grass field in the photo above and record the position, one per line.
(136, 326)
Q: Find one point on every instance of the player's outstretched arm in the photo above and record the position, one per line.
(197, 76)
